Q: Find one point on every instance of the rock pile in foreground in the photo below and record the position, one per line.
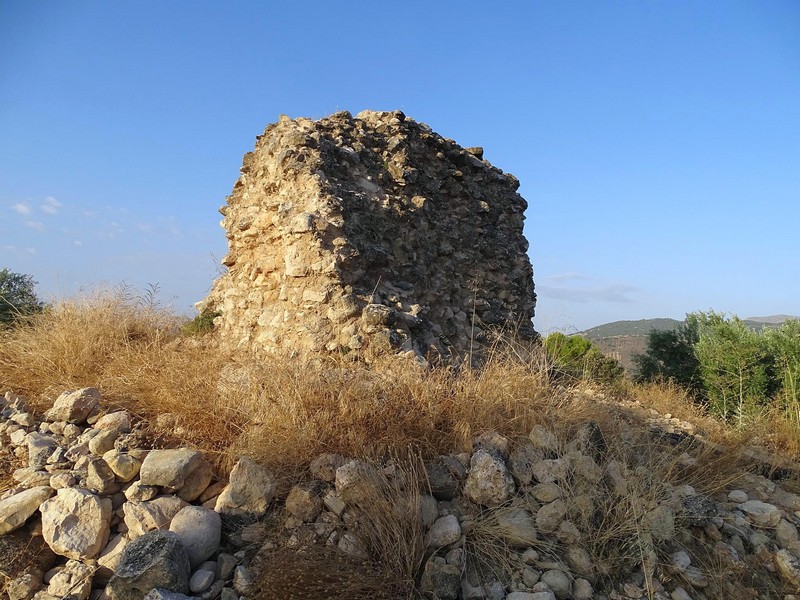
(116, 520)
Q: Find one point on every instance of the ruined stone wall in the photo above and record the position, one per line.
(371, 234)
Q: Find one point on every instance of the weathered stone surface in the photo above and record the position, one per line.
(156, 559)
(40, 447)
(141, 517)
(197, 482)
(24, 586)
(372, 234)
(200, 581)
(169, 468)
(73, 581)
(440, 579)
(100, 478)
(74, 407)
(544, 439)
(324, 466)
(445, 531)
(124, 465)
(489, 483)
(521, 461)
(698, 509)
(249, 490)
(103, 441)
(549, 516)
(304, 502)
(16, 509)
(444, 482)
(558, 582)
(516, 527)
(660, 522)
(111, 555)
(199, 529)
(788, 567)
(119, 420)
(76, 523)
(760, 513)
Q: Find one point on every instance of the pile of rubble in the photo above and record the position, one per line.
(116, 520)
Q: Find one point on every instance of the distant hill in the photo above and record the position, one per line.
(771, 320)
(623, 339)
(628, 328)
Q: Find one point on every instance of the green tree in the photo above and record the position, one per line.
(670, 356)
(17, 297)
(784, 346)
(736, 366)
(579, 358)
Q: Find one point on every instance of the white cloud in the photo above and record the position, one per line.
(50, 205)
(78, 243)
(21, 208)
(37, 225)
(575, 287)
(32, 251)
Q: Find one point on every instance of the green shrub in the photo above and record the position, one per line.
(17, 297)
(202, 323)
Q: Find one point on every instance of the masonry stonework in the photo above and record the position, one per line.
(370, 235)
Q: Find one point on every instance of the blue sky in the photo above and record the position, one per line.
(658, 143)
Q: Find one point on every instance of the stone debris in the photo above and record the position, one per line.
(371, 235)
(131, 533)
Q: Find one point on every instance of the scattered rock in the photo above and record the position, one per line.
(489, 483)
(249, 491)
(200, 530)
(156, 559)
(74, 407)
(76, 523)
(17, 509)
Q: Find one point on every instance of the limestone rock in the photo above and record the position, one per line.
(788, 567)
(521, 461)
(40, 447)
(249, 491)
(196, 483)
(544, 439)
(761, 513)
(169, 468)
(489, 483)
(660, 522)
(74, 407)
(304, 502)
(76, 523)
(119, 420)
(444, 481)
(324, 466)
(156, 559)
(124, 465)
(440, 579)
(516, 527)
(16, 509)
(558, 582)
(200, 530)
(445, 531)
(103, 441)
(141, 517)
(73, 581)
(549, 516)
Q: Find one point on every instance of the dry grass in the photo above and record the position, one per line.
(285, 413)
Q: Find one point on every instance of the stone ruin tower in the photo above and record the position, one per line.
(371, 235)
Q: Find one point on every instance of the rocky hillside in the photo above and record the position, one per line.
(648, 510)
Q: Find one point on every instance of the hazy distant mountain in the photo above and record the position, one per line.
(627, 328)
(772, 320)
(623, 339)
